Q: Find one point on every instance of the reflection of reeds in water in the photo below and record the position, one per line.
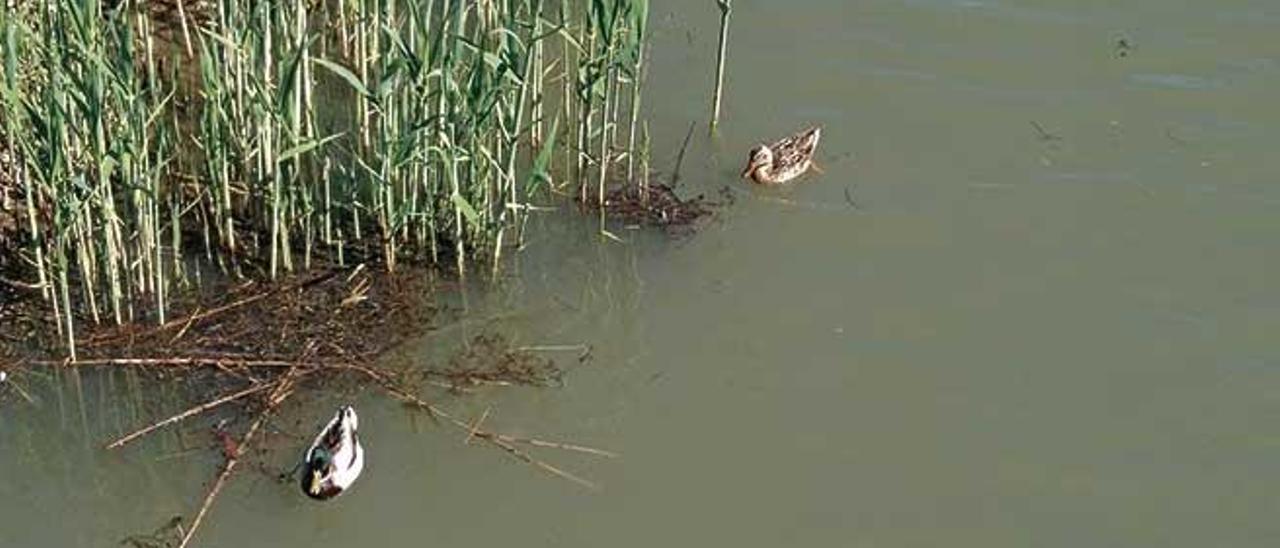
(298, 131)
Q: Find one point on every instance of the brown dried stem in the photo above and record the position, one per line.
(211, 361)
(498, 440)
(203, 315)
(557, 445)
(282, 391)
(189, 413)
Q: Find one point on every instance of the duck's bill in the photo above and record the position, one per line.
(314, 487)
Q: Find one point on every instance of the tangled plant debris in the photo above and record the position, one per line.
(252, 348)
(654, 204)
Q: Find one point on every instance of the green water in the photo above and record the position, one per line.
(966, 332)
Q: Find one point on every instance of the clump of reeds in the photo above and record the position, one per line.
(84, 114)
(272, 135)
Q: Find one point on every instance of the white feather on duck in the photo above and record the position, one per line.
(335, 458)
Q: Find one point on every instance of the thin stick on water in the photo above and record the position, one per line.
(684, 147)
(529, 459)
(187, 414)
(171, 362)
(498, 440)
(557, 445)
(277, 396)
(726, 7)
(223, 476)
(475, 426)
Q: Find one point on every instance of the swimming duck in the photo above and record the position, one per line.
(784, 160)
(334, 460)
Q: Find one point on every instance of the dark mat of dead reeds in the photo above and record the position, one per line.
(655, 204)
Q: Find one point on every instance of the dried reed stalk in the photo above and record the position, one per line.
(282, 391)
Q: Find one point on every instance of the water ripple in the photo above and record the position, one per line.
(1177, 81)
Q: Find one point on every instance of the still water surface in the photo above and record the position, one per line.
(1032, 301)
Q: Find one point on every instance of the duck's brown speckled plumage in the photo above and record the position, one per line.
(785, 160)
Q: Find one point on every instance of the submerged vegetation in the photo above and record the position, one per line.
(144, 139)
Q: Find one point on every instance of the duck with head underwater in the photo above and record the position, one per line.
(335, 458)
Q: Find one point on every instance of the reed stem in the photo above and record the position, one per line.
(726, 9)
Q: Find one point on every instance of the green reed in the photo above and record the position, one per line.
(81, 109)
(266, 136)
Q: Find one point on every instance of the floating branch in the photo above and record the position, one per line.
(189, 413)
(282, 391)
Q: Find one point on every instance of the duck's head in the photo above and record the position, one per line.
(760, 156)
(317, 471)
